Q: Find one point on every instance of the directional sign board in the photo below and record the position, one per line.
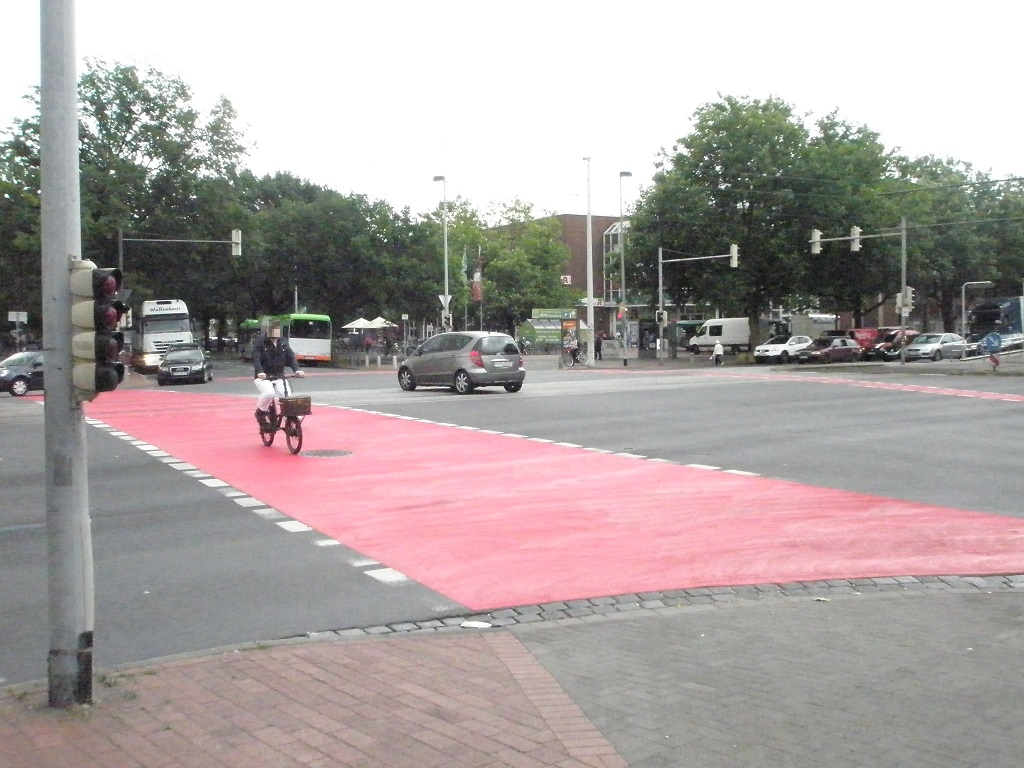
(993, 342)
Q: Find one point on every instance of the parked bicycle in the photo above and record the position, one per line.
(574, 356)
(286, 415)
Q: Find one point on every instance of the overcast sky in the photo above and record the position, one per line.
(506, 98)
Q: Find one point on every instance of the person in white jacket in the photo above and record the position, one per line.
(719, 354)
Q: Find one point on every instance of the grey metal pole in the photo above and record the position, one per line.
(661, 300)
(590, 273)
(622, 264)
(447, 307)
(69, 538)
(903, 289)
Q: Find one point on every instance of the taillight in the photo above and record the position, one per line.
(476, 359)
(522, 362)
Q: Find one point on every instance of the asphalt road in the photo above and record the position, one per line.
(167, 546)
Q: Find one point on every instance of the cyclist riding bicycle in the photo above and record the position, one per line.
(269, 360)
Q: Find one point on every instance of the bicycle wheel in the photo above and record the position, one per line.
(267, 435)
(582, 358)
(567, 360)
(293, 433)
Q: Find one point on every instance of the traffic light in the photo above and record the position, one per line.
(236, 242)
(96, 343)
(854, 238)
(734, 255)
(908, 298)
(815, 241)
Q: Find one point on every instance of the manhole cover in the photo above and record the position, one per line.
(326, 454)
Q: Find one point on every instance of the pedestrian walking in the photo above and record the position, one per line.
(598, 341)
(719, 354)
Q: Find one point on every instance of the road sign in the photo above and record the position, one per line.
(444, 301)
(993, 342)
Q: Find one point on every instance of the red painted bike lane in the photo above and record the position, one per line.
(494, 520)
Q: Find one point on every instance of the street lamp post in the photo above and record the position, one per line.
(445, 316)
(590, 273)
(963, 303)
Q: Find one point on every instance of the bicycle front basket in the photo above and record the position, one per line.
(296, 406)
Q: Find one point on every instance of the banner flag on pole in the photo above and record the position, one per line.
(478, 279)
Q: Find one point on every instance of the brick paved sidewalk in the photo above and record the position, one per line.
(444, 700)
(894, 672)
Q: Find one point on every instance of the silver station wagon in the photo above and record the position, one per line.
(463, 361)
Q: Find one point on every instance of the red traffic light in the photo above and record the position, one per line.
(105, 283)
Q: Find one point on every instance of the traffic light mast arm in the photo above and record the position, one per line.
(734, 261)
(855, 237)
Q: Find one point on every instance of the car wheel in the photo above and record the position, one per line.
(937, 355)
(462, 383)
(406, 380)
(19, 387)
(161, 382)
(784, 357)
(514, 387)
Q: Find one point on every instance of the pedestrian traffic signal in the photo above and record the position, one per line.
(96, 343)
(815, 241)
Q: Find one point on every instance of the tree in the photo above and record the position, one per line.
(846, 180)
(729, 181)
(947, 244)
(148, 158)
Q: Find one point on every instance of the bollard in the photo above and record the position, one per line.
(625, 363)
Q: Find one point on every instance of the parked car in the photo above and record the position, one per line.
(21, 372)
(781, 349)
(184, 365)
(464, 360)
(830, 349)
(889, 346)
(936, 346)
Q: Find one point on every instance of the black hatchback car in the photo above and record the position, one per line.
(21, 372)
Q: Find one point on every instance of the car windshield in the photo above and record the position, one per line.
(184, 356)
(928, 338)
(20, 359)
(777, 340)
(822, 343)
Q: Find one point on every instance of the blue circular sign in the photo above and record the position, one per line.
(993, 342)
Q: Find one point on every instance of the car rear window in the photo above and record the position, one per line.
(498, 345)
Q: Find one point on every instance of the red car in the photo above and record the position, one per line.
(830, 349)
(888, 347)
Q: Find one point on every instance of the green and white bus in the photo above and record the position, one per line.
(309, 336)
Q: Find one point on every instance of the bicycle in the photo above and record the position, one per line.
(291, 412)
(575, 356)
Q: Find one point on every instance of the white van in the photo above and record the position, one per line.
(733, 333)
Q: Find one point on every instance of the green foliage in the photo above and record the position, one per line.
(523, 260)
(750, 172)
